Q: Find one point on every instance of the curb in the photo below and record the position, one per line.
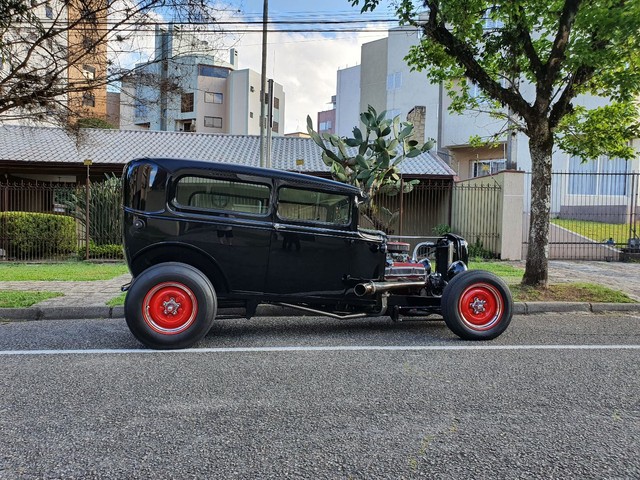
(75, 313)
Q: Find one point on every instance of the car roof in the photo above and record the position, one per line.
(174, 165)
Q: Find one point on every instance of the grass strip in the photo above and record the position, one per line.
(117, 301)
(569, 292)
(67, 271)
(13, 299)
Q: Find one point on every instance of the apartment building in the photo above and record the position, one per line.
(384, 81)
(327, 119)
(192, 92)
(67, 52)
(87, 57)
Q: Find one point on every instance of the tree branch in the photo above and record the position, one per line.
(559, 48)
(527, 44)
(459, 50)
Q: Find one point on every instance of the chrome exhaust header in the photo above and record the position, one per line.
(371, 287)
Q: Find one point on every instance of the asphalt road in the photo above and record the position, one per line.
(557, 396)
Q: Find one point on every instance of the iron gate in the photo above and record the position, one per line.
(594, 216)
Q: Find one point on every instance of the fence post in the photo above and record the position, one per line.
(511, 218)
(87, 162)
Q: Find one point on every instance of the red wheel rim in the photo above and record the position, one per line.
(169, 308)
(481, 306)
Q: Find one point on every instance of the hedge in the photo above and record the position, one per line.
(111, 251)
(37, 235)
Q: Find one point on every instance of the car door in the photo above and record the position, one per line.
(228, 216)
(311, 243)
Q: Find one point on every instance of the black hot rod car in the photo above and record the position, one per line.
(201, 235)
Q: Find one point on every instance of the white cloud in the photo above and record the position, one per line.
(305, 65)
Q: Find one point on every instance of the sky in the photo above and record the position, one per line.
(306, 63)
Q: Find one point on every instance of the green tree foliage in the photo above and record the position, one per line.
(94, 123)
(105, 210)
(531, 59)
(370, 160)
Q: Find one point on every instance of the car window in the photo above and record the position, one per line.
(222, 194)
(311, 206)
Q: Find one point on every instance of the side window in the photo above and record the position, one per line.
(309, 206)
(217, 194)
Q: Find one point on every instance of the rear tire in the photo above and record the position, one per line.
(170, 305)
(477, 305)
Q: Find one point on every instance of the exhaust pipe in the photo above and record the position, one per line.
(371, 287)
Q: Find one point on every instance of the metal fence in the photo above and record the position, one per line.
(44, 221)
(594, 216)
(435, 207)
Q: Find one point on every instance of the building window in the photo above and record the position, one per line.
(476, 93)
(276, 127)
(88, 72)
(603, 176)
(186, 102)
(213, 122)
(324, 126)
(211, 71)
(394, 81)
(251, 89)
(140, 109)
(276, 102)
(250, 114)
(487, 167)
(48, 11)
(88, 99)
(88, 45)
(88, 14)
(212, 97)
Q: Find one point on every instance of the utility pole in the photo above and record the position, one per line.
(263, 83)
(269, 123)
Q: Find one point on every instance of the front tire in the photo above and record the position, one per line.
(170, 305)
(477, 305)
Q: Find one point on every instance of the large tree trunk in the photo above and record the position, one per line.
(540, 148)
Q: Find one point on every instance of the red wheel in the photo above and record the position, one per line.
(477, 305)
(169, 308)
(481, 306)
(170, 305)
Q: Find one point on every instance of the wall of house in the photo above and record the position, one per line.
(406, 89)
(348, 101)
(462, 158)
(487, 211)
(208, 109)
(278, 113)
(244, 91)
(79, 57)
(373, 75)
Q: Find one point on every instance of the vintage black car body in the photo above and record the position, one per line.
(201, 235)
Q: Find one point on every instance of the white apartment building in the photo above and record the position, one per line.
(187, 92)
(384, 80)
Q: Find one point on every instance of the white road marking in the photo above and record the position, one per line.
(345, 348)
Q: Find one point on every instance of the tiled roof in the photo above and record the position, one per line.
(48, 144)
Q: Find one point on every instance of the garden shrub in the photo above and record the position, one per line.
(105, 209)
(109, 251)
(37, 235)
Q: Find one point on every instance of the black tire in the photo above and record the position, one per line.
(170, 305)
(477, 305)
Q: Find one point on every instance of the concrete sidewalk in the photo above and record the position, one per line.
(88, 299)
